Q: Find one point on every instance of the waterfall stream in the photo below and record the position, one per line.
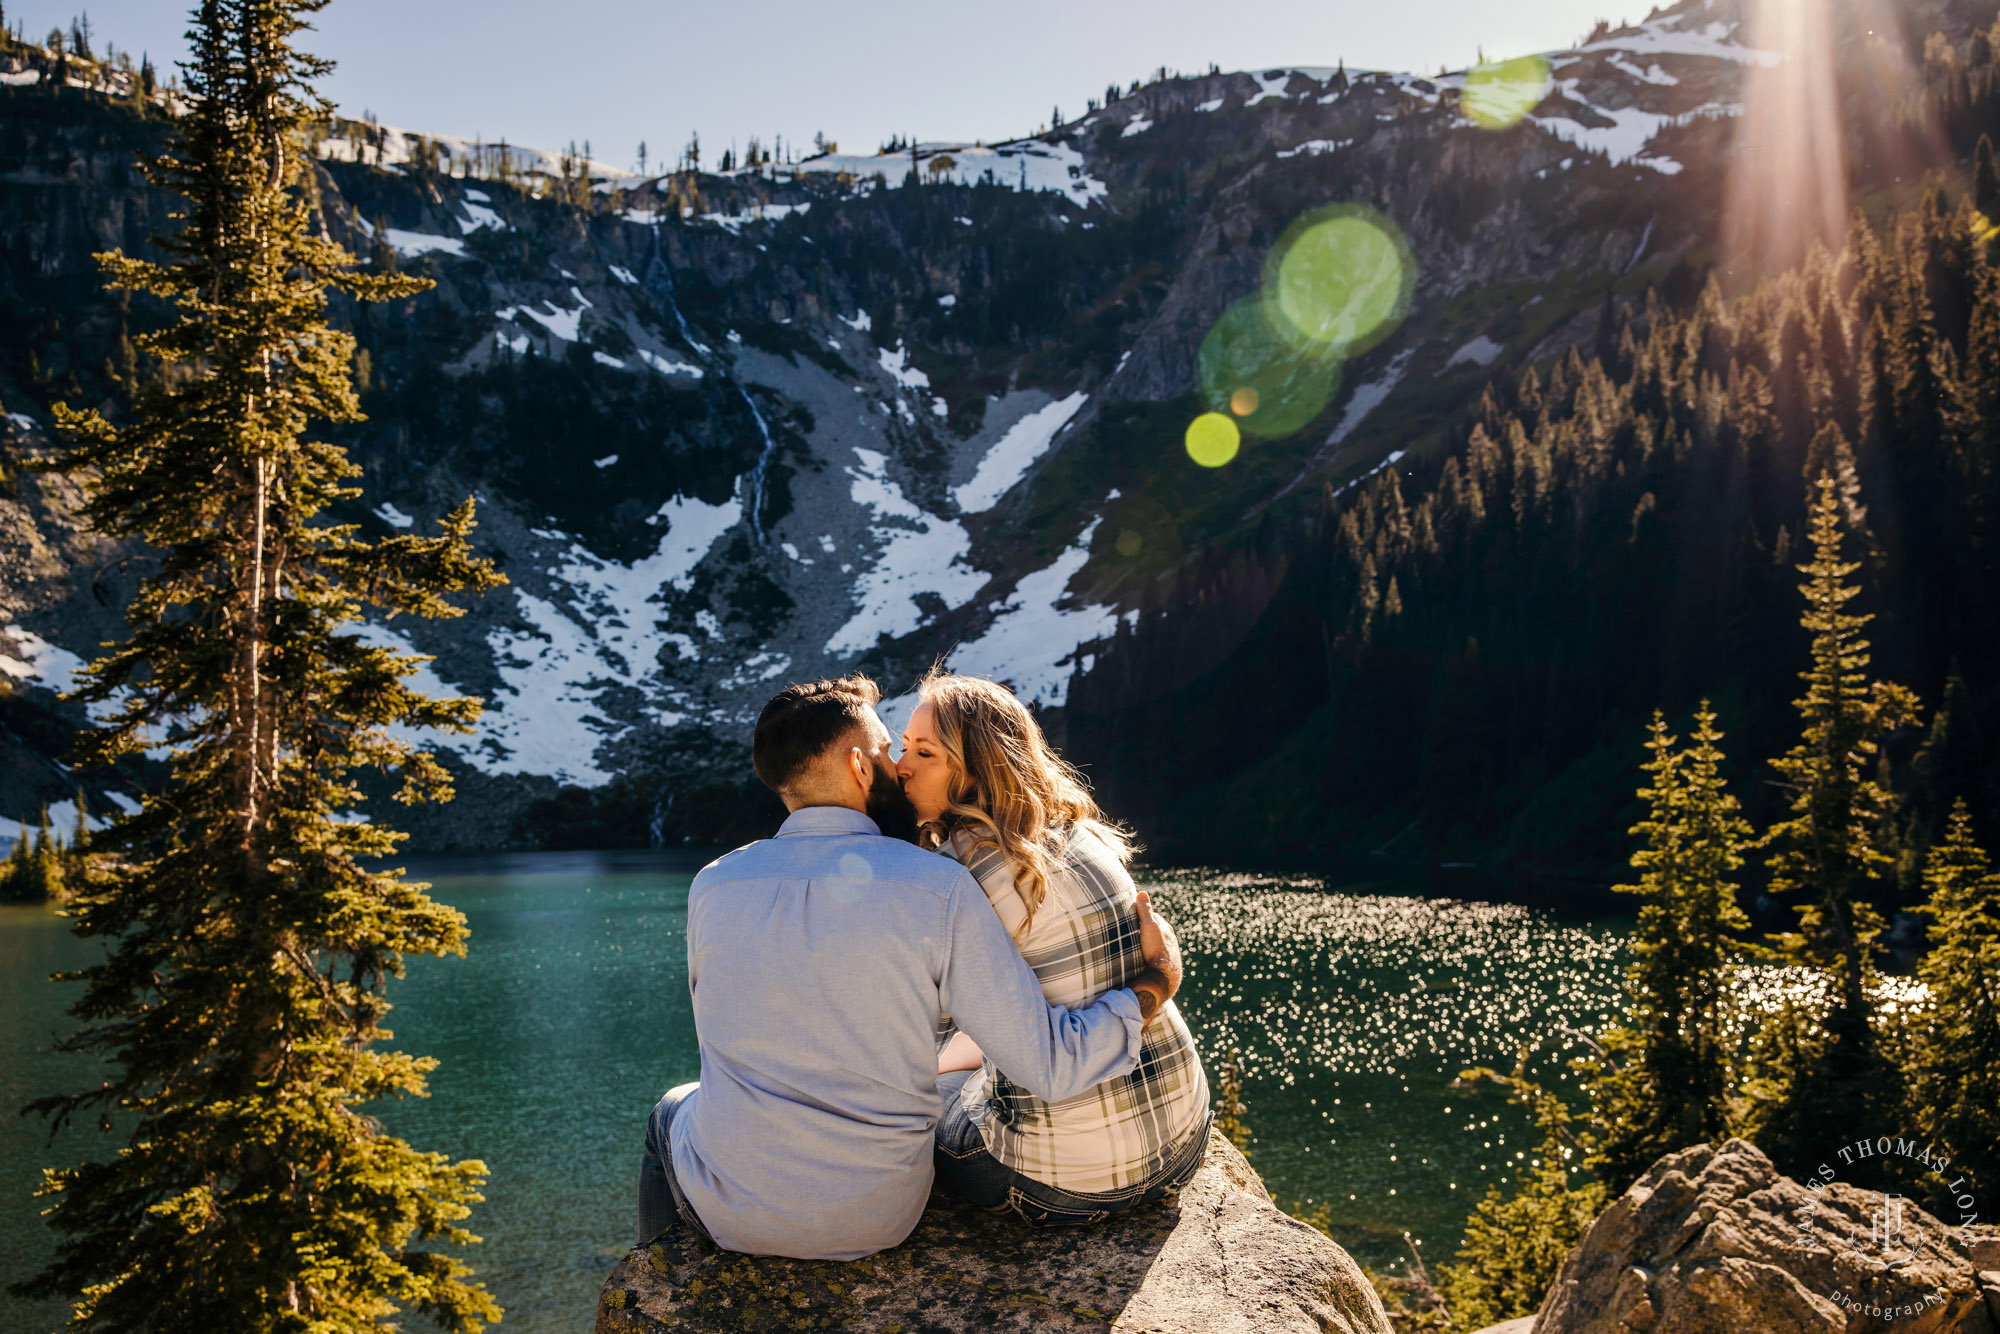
(660, 279)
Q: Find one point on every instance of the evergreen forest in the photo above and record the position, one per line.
(1454, 662)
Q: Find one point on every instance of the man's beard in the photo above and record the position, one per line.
(890, 808)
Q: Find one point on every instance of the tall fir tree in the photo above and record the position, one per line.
(1663, 1082)
(1516, 1241)
(1831, 851)
(241, 997)
(48, 876)
(1229, 1105)
(1959, 1081)
(18, 878)
(1985, 178)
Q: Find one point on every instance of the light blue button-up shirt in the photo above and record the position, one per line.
(820, 962)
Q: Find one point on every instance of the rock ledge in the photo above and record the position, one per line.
(1220, 1260)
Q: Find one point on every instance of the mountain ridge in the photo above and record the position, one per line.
(733, 429)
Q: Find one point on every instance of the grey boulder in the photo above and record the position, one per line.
(1710, 1241)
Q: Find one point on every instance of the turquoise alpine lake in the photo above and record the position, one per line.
(1352, 1010)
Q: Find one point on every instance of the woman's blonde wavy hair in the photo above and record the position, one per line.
(1007, 788)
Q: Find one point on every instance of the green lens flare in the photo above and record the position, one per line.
(1499, 95)
(1268, 387)
(1338, 281)
(1212, 439)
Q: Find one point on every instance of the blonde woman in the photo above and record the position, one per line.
(990, 792)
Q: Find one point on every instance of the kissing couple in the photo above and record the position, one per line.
(938, 968)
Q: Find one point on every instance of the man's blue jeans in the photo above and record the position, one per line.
(660, 1199)
(967, 1170)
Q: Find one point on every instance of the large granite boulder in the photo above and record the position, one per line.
(1711, 1241)
(1219, 1260)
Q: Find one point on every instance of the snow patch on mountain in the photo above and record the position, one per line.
(1394, 457)
(1270, 85)
(597, 630)
(1025, 164)
(1014, 453)
(1652, 74)
(396, 146)
(564, 324)
(1659, 37)
(477, 216)
(1623, 141)
(920, 553)
(1033, 641)
(666, 367)
(734, 223)
(62, 823)
(1314, 147)
(897, 362)
(1369, 396)
(1480, 352)
(412, 244)
(29, 657)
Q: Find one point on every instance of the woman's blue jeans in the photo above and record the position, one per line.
(967, 1170)
(661, 1202)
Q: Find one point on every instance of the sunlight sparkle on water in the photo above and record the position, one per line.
(1502, 94)
(1367, 982)
(1352, 1014)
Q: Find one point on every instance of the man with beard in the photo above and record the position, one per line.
(821, 962)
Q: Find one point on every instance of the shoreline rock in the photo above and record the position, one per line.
(1221, 1259)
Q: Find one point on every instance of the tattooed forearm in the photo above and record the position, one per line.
(1152, 988)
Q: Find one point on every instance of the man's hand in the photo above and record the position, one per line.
(1161, 978)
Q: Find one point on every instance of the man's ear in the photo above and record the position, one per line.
(859, 768)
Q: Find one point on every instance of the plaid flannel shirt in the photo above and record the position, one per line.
(1084, 941)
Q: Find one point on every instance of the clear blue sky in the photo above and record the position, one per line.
(617, 72)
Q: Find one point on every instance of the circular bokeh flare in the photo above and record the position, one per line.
(1212, 439)
(1502, 94)
(1256, 377)
(1338, 281)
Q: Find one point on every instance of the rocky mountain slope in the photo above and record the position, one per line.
(731, 430)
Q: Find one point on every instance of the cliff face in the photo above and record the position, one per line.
(733, 430)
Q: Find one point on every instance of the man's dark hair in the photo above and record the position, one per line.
(803, 721)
